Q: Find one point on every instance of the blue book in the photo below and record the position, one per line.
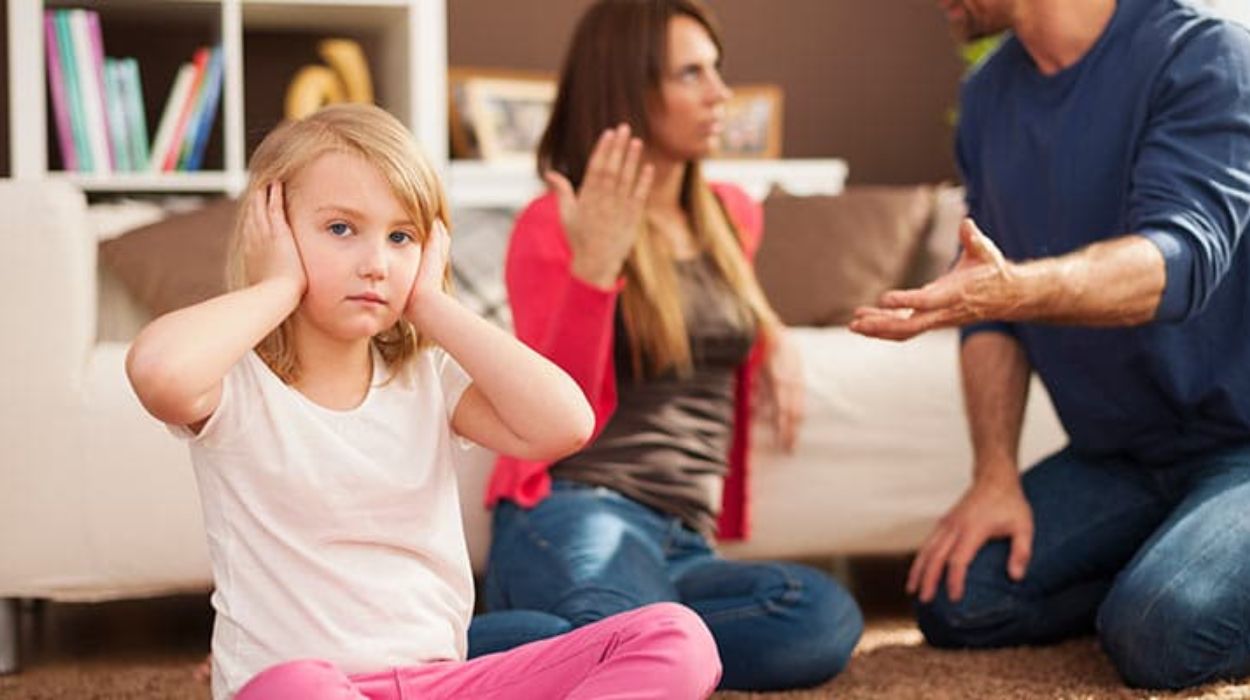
(113, 101)
(206, 112)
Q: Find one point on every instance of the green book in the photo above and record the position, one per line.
(136, 119)
(77, 117)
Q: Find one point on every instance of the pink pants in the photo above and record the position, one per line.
(661, 651)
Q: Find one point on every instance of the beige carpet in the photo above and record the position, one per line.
(891, 662)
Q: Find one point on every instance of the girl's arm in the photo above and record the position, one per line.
(177, 363)
(520, 403)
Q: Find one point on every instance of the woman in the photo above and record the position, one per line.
(633, 275)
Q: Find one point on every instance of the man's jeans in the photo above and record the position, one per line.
(1156, 559)
(586, 553)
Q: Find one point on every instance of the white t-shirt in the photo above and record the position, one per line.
(334, 534)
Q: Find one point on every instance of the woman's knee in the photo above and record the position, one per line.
(305, 678)
(831, 621)
(800, 632)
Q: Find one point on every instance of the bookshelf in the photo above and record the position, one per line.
(263, 43)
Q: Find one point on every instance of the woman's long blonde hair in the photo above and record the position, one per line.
(611, 72)
(381, 140)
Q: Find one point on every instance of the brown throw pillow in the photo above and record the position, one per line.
(822, 255)
(941, 242)
(177, 261)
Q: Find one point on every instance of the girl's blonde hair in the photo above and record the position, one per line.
(598, 89)
(382, 141)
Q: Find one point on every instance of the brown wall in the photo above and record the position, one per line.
(870, 81)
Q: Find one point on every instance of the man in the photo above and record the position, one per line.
(1105, 147)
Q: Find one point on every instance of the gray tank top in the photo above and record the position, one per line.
(667, 444)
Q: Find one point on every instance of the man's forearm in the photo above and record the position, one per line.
(1111, 283)
(996, 387)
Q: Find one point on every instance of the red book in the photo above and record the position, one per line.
(175, 145)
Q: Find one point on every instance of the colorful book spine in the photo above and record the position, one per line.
(200, 63)
(116, 115)
(169, 117)
(77, 113)
(92, 101)
(205, 114)
(57, 88)
(95, 37)
(136, 119)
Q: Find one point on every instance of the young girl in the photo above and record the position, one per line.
(321, 420)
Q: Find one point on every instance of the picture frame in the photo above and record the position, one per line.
(498, 114)
(753, 123)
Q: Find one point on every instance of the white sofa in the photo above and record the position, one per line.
(97, 500)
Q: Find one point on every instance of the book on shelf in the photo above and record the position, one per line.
(132, 108)
(98, 108)
(116, 115)
(202, 119)
(187, 119)
(200, 63)
(169, 117)
(69, 73)
(95, 47)
(57, 89)
(96, 126)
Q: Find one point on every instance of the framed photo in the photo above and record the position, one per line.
(498, 115)
(753, 119)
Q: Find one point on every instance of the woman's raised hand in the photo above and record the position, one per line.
(268, 242)
(602, 218)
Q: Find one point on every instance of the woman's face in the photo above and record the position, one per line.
(687, 117)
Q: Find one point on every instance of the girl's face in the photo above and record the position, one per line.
(359, 247)
(687, 118)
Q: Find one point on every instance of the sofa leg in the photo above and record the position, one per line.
(10, 632)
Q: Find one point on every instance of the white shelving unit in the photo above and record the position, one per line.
(411, 83)
(511, 185)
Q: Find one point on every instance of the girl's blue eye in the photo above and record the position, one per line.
(400, 237)
(339, 229)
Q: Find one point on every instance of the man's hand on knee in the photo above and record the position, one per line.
(991, 508)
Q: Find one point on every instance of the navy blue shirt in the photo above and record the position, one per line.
(1149, 133)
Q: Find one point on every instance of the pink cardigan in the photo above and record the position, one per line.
(572, 324)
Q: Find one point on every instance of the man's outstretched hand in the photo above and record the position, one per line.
(981, 286)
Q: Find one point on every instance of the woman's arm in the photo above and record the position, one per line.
(520, 403)
(177, 363)
(564, 261)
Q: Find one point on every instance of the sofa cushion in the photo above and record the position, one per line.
(822, 256)
(177, 261)
(941, 242)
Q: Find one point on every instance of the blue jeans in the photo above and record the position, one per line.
(1155, 560)
(586, 553)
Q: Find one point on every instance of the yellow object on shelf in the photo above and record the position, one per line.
(345, 80)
